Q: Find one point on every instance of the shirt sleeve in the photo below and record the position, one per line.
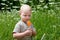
(17, 28)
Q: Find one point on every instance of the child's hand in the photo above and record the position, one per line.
(33, 31)
(30, 29)
(28, 32)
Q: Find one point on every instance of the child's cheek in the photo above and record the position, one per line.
(23, 17)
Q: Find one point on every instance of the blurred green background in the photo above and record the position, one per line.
(45, 17)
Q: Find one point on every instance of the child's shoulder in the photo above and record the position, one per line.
(19, 23)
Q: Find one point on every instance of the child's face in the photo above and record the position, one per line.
(25, 16)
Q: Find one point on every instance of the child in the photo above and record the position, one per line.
(21, 30)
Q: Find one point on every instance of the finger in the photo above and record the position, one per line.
(30, 28)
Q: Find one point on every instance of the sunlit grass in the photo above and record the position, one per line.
(46, 22)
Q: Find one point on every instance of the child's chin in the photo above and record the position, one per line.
(25, 20)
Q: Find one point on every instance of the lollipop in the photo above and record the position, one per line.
(28, 23)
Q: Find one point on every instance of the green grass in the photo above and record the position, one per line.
(46, 22)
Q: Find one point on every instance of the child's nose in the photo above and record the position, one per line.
(28, 17)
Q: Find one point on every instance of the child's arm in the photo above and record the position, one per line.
(18, 35)
(33, 33)
(23, 34)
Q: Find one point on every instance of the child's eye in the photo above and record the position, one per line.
(25, 15)
(29, 15)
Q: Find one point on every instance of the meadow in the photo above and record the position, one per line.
(46, 22)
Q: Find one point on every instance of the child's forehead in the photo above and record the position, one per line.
(26, 13)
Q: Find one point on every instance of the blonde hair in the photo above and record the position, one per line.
(24, 8)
